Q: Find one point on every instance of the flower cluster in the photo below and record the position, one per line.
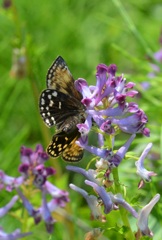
(107, 106)
(109, 200)
(34, 176)
(109, 113)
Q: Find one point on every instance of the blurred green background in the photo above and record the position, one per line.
(84, 33)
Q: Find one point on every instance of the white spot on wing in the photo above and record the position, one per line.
(51, 103)
(52, 118)
(47, 121)
(42, 101)
(59, 105)
(48, 82)
(49, 96)
(54, 94)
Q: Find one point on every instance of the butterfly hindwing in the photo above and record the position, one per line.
(64, 144)
(73, 153)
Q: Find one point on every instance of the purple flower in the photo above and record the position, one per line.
(46, 215)
(108, 88)
(41, 173)
(28, 156)
(107, 127)
(58, 200)
(133, 124)
(89, 174)
(106, 199)
(29, 207)
(141, 171)
(119, 155)
(82, 86)
(34, 175)
(33, 165)
(60, 195)
(12, 236)
(142, 222)
(108, 109)
(8, 206)
(118, 199)
(8, 182)
(113, 159)
(109, 201)
(91, 200)
(158, 55)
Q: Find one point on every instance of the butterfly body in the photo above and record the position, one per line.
(60, 105)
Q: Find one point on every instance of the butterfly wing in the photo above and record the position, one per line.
(55, 107)
(73, 153)
(60, 105)
(64, 144)
(59, 78)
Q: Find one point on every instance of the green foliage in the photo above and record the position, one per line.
(84, 33)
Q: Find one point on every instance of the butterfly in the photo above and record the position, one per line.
(60, 105)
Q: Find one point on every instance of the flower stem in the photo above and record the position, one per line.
(123, 212)
(25, 220)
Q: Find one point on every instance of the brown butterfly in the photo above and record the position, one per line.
(60, 105)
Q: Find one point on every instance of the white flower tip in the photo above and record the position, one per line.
(79, 190)
(149, 145)
(72, 186)
(156, 198)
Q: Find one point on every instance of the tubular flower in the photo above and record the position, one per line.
(91, 200)
(142, 222)
(107, 199)
(6, 208)
(141, 171)
(12, 236)
(108, 205)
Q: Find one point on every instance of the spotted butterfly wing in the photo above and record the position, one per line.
(60, 79)
(66, 146)
(60, 105)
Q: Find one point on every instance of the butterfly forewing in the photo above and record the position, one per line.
(59, 78)
(60, 105)
(56, 107)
